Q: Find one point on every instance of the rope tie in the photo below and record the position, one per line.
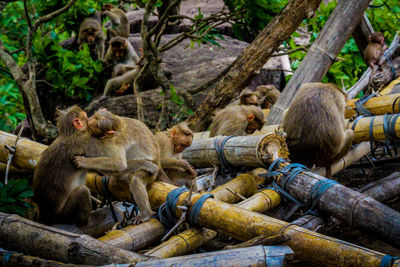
(394, 105)
(318, 191)
(195, 211)
(11, 152)
(108, 197)
(360, 109)
(7, 256)
(324, 52)
(356, 121)
(167, 211)
(387, 261)
(219, 148)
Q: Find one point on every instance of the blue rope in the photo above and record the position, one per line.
(318, 190)
(394, 104)
(355, 122)
(360, 109)
(371, 137)
(219, 147)
(7, 256)
(387, 261)
(195, 211)
(167, 211)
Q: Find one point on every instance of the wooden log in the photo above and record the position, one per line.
(251, 151)
(244, 184)
(135, 237)
(384, 189)
(310, 222)
(100, 221)
(321, 55)
(27, 153)
(251, 256)
(51, 243)
(11, 259)
(377, 105)
(13, 169)
(190, 239)
(350, 158)
(354, 208)
(362, 129)
(244, 225)
(364, 79)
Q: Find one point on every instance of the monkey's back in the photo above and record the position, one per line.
(229, 121)
(314, 124)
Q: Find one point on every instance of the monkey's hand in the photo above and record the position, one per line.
(80, 162)
(189, 169)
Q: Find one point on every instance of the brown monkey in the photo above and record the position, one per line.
(90, 32)
(120, 82)
(121, 51)
(269, 95)
(249, 97)
(131, 154)
(237, 120)
(315, 126)
(172, 143)
(119, 24)
(59, 187)
(374, 52)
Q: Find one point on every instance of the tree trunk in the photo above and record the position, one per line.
(252, 59)
(328, 44)
(361, 33)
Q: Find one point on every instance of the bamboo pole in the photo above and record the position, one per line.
(11, 259)
(244, 185)
(384, 189)
(379, 105)
(388, 89)
(251, 151)
(51, 243)
(362, 128)
(100, 221)
(244, 225)
(251, 256)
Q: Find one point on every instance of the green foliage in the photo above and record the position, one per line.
(11, 107)
(386, 18)
(12, 196)
(256, 15)
(70, 72)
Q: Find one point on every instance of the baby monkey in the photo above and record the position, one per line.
(248, 97)
(269, 95)
(237, 120)
(315, 126)
(172, 143)
(374, 52)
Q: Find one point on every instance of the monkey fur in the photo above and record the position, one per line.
(59, 187)
(249, 97)
(131, 154)
(237, 120)
(90, 33)
(119, 23)
(269, 95)
(121, 51)
(315, 126)
(172, 143)
(374, 52)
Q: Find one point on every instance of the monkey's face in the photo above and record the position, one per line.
(252, 100)
(91, 35)
(119, 51)
(182, 142)
(252, 126)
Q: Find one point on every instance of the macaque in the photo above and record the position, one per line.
(249, 97)
(120, 82)
(172, 143)
(119, 24)
(269, 95)
(374, 52)
(90, 32)
(315, 126)
(131, 154)
(237, 120)
(121, 51)
(59, 187)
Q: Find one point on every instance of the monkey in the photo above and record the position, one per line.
(270, 95)
(315, 126)
(120, 82)
(121, 51)
(131, 154)
(172, 143)
(119, 24)
(90, 32)
(59, 187)
(237, 120)
(374, 52)
(249, 97)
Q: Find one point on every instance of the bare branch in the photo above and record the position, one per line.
(27, 15)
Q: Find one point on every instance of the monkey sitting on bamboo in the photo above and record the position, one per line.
(315, 126)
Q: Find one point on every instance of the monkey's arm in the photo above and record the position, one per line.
(113, 17)
(171, 163)
(115, 163)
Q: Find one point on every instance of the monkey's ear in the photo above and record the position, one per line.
(250, 117)
(77, 123)
(173, 133)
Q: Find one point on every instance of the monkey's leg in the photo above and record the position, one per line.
(347, 142)
(78, 205)
(100, 49)
(137, 184)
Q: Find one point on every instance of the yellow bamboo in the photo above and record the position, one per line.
(262, 201)
(361, 130)
(377, 105)
(389, 88)
(244, 225)
(244, 184)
